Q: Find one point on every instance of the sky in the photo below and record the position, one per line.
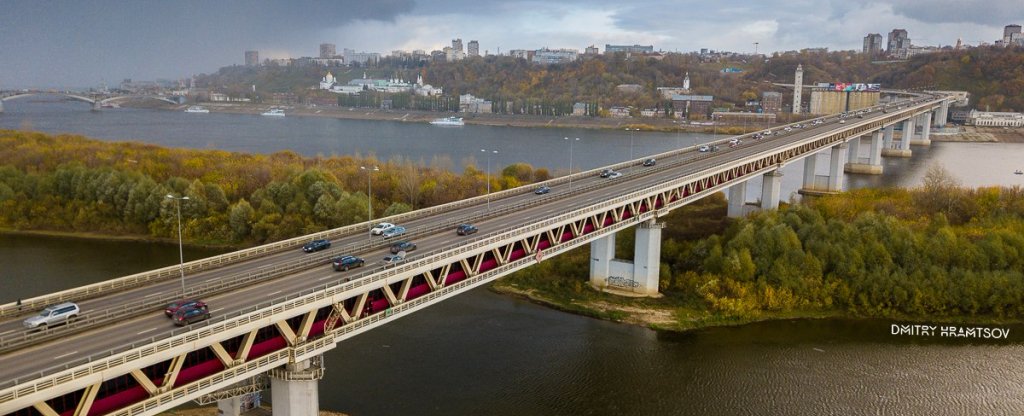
(83, 43)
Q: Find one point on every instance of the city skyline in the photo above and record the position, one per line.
(83, 44)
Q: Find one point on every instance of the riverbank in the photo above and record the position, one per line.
(983, 135)
(504, 120)
(110, 237)
(212, 411)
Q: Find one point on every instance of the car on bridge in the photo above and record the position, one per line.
(393, 259)
(465, 229)
(543, 189)
(344, 263)
(53, 315)
(187, 316)
(614, 175)
(394, 231)
(402, 246)
(650, 162)
(380, 228)
(316, 245)
(606, 173)
(173, 307)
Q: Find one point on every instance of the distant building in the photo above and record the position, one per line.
(362, 58)
(452, 54)
(995, 119)
(554, 56)
(668, 92)
(872, 44)
(828, 101)
(897, 40)
(771, 102)
(579, 109)
(618, 112)
(327, 50)
(252, 58)
(470, 104)
(474, 48)
(1011, 35)
(457, 44)
(592, 50)
(521, 54)
(628, 48)
(743, 117)
(695, 107)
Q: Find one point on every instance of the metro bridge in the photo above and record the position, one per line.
(276, 310)
(97, 101)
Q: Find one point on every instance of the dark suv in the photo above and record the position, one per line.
(316, 245)
(465, 229)
(650, 162)
(402, 246)
(186, 316)
(606, 173)
(346, 262)
(182, 304)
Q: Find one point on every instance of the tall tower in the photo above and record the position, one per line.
(686, 81)
(798, 85)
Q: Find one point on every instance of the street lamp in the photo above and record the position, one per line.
(369, 195)
(181, 252)
(570, 161)
(631, 146)
(489, 175)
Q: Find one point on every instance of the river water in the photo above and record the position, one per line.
(483, 353)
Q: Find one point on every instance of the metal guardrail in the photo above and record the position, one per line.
(174, 338)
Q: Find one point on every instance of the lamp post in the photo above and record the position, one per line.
(369, 196)
(488, 153)
(631, 146)
(181, 251)
(570, 161)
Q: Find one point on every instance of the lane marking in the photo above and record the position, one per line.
(153, 294)
(325, 278)
(148, 330)
(65, 355)
(216, 310)
(274, 293)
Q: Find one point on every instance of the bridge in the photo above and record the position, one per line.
(276, 310)
(96, 101)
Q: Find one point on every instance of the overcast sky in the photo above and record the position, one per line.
(80, 43)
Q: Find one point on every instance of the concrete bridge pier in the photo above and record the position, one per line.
(96, 106)
(771, 189)
(925, 120)
(231, 406)
(901, 149)
(835, 168)
(294, 388)
(639, 277)
(856, 164)
(887, 134)
(737, 199)
(942, 114)
(1, 106)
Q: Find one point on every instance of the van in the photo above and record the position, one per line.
(52, 316)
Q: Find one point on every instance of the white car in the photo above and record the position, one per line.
(614, 175)
(705, 148)
(788, 129)
(380, 228)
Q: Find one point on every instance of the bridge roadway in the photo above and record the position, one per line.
(26, 363)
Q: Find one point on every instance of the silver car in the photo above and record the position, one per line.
(394, 231)
(53, 315)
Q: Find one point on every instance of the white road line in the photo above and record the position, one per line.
(325, 278)
(65, 355)
(148, 330)
(216, 310)
(272, 294)
(153, 294)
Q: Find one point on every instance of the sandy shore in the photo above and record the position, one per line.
(983, 134)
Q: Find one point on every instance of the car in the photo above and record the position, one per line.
(465, 229)
(173, 307)
(788, 129)
(860, 116)
(756, 137)
(607, 172)
(705, 148)
(394, 231)
(842, 121)
(344, 263)
(53, 315)
(614, 175)
(187, 316)
(543, 189)
(393, 259)
(402, 246)
(316, 245)
(380, 228)
(767, 132)
(650, 162)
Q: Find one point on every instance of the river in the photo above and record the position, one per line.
(482, 353)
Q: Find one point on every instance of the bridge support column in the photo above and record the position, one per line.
(835, 167)
(887, 136)
(856, 164)
(771, 189)
(942, 115)
(96, 106)
(639, 277)
(231, 406)
(737, 199)
(926, 123)
(1, 106)
(901, 149)
(294, 388)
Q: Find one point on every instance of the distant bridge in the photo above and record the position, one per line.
(97, 101)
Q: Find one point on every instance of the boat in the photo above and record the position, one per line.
(196, 109)
(274, 112)
(448, 121)
(1018, 172)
